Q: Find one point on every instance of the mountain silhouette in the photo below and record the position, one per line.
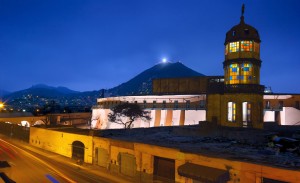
(42, 90)
(139, 85)
(142, 83)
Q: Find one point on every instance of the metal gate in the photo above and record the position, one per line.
(164, 169)
(102, 157)
(128, 164)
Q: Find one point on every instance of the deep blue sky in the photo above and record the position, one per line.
(93, 44)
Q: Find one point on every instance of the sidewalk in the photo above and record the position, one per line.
(93, 169)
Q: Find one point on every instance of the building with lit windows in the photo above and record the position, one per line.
(236, 99)
(240, 103)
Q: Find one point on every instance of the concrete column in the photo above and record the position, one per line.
(182, 118)
(157, 117)
(169, 118)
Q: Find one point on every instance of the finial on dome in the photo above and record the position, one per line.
(243, 11)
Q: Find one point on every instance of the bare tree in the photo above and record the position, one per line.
(126, 113)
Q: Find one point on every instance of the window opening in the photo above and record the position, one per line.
(246, 45)
(231, 111)
(176, 104)
(164, 104)
(187, 104)
(234, 47)
(154, 103)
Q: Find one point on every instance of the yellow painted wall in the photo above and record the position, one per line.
(217, 105)
(213, 104)
(60, 142)
(245, 172)
(256, 101)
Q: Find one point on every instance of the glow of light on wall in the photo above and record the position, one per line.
(164, 60)
(24, 123)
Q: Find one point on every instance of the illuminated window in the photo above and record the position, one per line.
(256, 47)
(246, 45)
(240, 73)
(231, 111)
(247, 73)
(234, 47)
(233, 73)
(246, 111)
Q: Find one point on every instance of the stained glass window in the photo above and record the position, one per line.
(246, 45)
(247, 72)
(234, 47)
(240, 73)
(233, 73)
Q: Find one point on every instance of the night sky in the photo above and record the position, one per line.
(92, 44)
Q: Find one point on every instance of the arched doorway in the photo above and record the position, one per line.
(39, 122)
(78, 151)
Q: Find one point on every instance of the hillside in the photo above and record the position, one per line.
(42, 91)
(142, 83)
(40, 95)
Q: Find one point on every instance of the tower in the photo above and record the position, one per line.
(240, 103)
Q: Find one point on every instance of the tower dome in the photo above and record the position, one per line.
(242, 55)
(242, 31)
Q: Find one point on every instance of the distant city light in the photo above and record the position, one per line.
(1, 105)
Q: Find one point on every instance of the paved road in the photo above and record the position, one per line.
(29, 164)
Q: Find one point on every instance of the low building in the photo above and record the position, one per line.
(176, 154)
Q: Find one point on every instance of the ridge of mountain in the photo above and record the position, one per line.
(142, 83)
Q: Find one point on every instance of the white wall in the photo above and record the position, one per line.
(269, 116)
(176, 117)
(100, 120)
(152, 115)
(290, 116)
(163, 117)
(192, 117)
